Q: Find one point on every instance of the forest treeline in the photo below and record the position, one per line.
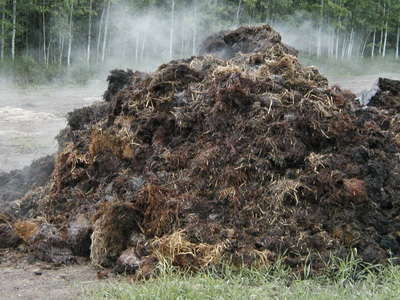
(87, 33)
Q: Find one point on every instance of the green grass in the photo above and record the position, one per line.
(343, 279)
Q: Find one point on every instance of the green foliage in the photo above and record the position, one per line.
(26, 71)
(139, 31)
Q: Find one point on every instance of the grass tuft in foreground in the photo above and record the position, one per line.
(343, 279)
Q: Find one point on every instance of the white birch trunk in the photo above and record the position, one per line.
(238, 13)
(99, 35)
(319, 51)
(385, 40)
(373, 44)
(89, 33)
(365, 44)
(381, 42)
(70, 34)
(397, 42)
(337, 47)
(145, 38)
(351, 42)
(14, 29)
(330, 44)
(61, 50)
(2, 33)
(171, 37)
(319, 41)
(137, 48)
(44, 34)
(48, 53)
(344, 46)
(103, 53)
(194, 30)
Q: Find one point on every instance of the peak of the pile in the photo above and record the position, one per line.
(247, 39)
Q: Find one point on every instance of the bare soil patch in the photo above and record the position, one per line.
(38, 280)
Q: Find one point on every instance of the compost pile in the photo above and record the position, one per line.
(211, 159)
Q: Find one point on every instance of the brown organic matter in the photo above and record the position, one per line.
(210, 159)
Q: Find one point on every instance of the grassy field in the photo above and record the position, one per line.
(343, 279)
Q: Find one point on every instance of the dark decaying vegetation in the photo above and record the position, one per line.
(206, 159)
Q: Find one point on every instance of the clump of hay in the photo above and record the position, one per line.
(113, 224)
(26, 229)
(176, 250)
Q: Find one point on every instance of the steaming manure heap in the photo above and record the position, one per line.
(240, 158)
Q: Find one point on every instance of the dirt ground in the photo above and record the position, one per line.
(22, 280)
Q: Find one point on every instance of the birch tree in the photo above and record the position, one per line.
(171, 36)
(14, 28)
(3, 22)
(71, 13)
(90, 12)
(103, 53)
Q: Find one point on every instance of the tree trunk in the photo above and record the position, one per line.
(397, 42)
(99, 35)
(319, 41)
(61, 50)
(344, 46)
(48, 53)
(365, 44)
(319, 51)
(89, 33)
(145, 38)
(373, 44)
(14, 29)
(337, 46)
(171, 37)
(103, 53)
(183, 33)
(351, 43)
(385, 40)
(2, 33)
(381, 42)
(44, 34)
(238, 13)
(194, 29)
(70, 35)
(137, 48)
(27, 43)
(330, 44)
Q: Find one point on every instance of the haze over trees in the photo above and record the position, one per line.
(63, 33)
